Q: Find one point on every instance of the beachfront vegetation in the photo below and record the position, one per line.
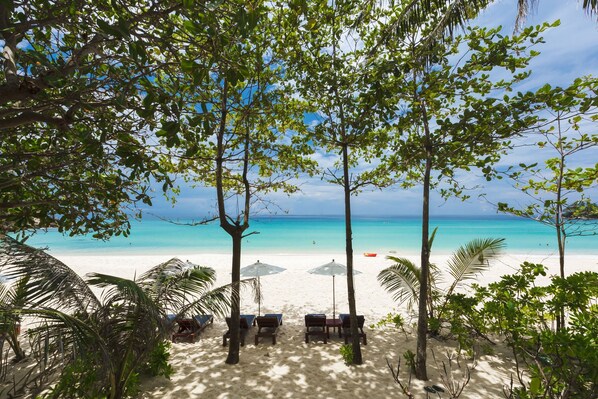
(89, 88)
(12, 298)
(338, 78)
(469, 261)
(549, 363)
(88, 346)
(453, 114)
(235, 113)
(75, 149)
(557, 188)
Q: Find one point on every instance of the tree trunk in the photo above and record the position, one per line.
(234, 344)
(424, 283)
(558, 221)
(357, 357)
(422, 320)
(559, 227)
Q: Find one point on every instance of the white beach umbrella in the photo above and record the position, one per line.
(332, 269)
(259, 269)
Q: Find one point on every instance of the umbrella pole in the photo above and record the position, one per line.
(333, 299)
(259, 298)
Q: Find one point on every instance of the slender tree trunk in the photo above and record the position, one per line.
(357, 357)
(558, 222)
(233, 350)
(422, 320)
(234, 230)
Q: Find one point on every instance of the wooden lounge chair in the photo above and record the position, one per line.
(189, 329)
(346, 327)
(246, 322)
(268, 325)
(315, 324)
(185, 330)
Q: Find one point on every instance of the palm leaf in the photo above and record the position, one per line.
(124, 292)
(401, 280)
(472, 258)
(439, 16)
(50, 283)
(66, 331)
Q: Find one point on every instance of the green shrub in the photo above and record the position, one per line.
(158, 361)
(347, 354)
(560, 363)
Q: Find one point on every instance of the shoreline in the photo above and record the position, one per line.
(381, 254)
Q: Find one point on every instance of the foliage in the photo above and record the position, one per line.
(347, 354)
(550, 363)
(77, 380)
(410, 359)
(332, 71)
(445, 305)
(559, 189)
(75, 150)
(450, 116)
(113, 337)
(236, 126)
(12, 298)
(158, 361)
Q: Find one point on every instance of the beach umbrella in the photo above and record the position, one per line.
(332, 269)
(259, 269)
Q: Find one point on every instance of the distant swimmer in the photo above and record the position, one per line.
(314, 242)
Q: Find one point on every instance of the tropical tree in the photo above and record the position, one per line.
(559, 191)
(106, 341)
(331, 70)
(75, 139)
(237, 126)
(452, 114)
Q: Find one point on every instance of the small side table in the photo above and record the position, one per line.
(333, 323)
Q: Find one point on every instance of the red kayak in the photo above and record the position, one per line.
(370, 254)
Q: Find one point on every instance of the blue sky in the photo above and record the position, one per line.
(570, 51)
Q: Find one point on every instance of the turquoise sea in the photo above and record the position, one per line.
(321, 234)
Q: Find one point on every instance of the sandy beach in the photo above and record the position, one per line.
(292, 368)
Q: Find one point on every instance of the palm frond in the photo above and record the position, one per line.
(50, 282)
(431, 238)
(122, 291)
(472, 258)
(401, 280)
(443, 16)
(66, 331)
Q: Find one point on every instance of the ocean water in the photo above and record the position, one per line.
(321, 234)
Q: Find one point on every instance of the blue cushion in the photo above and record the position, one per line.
(203, 319)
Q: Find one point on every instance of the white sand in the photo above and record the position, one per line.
(293, 369)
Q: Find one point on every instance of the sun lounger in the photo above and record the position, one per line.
(315, 325)
(189, 329)
(346, 327)
(268, 325)
(246, 322)
(185, 330)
